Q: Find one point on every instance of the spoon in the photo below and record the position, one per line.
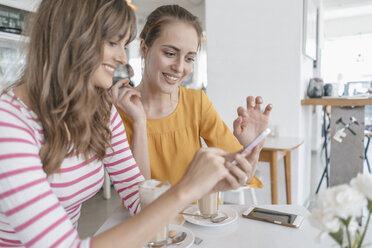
(173, 241)
(213, 218)
(199, 215)
(219, 219)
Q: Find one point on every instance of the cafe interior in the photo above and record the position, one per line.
(310, 59)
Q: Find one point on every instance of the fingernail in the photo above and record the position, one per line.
(244, 180)
(252, 103)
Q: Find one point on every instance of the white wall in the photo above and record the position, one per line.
(255, 48)
(348, 26)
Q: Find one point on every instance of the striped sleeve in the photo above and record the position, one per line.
(27, 203)
(122, 167)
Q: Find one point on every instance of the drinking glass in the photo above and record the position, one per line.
(149, 191)
(208, 205)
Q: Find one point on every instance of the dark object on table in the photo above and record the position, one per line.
(328, 89)
(315, 88)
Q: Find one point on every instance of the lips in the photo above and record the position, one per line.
(171, 79)
(109, 69)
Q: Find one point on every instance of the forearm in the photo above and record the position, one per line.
(139, 229)
(140, 148)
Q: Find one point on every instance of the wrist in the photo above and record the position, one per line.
(140, 122)
(183, 193)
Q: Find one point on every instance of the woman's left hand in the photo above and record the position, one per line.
(251, 121)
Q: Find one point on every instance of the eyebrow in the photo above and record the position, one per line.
(177, 49)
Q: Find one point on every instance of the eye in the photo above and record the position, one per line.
(169, 53)
(190, 59)
(112, 43)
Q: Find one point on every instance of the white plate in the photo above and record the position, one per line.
(189, 240)
(223, 210)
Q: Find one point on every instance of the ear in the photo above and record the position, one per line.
(143, 48)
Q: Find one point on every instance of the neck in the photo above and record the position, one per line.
(157, 104)
(21, 92)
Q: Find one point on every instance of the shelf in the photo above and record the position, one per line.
(338, 101)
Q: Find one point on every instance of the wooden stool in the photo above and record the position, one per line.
(274, 149)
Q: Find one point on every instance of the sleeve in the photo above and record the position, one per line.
(27, 202)
(121, 166)
(216, 133)
(213, 130)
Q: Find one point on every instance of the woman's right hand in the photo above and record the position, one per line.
(240, 173)
(210, 171)
(128, 100)
(205, 170)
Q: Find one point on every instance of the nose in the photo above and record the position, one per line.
(177, 66)
(121, 56)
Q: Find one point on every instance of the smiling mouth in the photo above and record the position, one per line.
(109, 69)
(171, 78)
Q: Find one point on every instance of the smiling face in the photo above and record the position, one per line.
(114, 54)
(171, 57)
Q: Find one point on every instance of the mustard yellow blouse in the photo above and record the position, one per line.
(173, 140)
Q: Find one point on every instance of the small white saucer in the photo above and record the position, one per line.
(223, 211)
(189, 240)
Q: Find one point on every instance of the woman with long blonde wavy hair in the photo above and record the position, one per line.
(59, 131)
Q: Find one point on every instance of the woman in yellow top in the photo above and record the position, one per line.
(176, 117)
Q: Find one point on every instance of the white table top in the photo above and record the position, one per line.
(246, 232)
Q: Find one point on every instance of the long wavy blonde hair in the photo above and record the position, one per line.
(65, 48)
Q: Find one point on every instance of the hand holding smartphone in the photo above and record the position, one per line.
(276, 217)
(254, 143)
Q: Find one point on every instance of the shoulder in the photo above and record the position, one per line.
(12, 111)
(20, 129)
(9, 102)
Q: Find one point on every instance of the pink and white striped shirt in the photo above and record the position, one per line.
(41, 211)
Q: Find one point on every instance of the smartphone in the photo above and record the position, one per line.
(116, 79)
(276, 217)
(254, 143)
(121, 72)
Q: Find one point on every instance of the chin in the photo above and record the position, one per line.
(104, 84)
(168, 89)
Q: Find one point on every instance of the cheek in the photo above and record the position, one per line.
(95, 78)
(161, 61)
(189, 68)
